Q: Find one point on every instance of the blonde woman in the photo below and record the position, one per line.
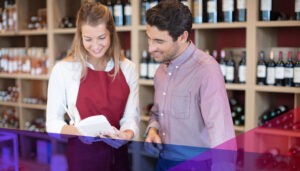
(96, 79)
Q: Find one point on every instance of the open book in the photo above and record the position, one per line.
(93, 125)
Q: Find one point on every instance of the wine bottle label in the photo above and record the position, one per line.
(265, 5)
(127, 10)
(270, 75)
(151, 70)
(211, 7)
(229, 73)
(261, 71)
(223, 69)
(242, 73)
(241, 4)
(152, 4)
(297, 6)
(198, 8)
(143, 69)
(227, 5)
(279, 72)
(288, 73)
(296, 74)
(117, 10)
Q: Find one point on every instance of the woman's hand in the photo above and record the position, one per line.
(118, 138)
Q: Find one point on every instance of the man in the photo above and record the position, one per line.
(191, 107)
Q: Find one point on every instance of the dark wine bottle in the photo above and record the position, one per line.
(198, 11)
(144, 65)
(288, 70)
(145, 6)
(241, 10)
(279, 70)
(265, 9)
(230, 67)
(127, 13)
(223, 64)
(271, 70)
(297, 9)
(242, 69)
(297, 72)
(261, 69)
(227, 8)
(212, 11)
(118, 13)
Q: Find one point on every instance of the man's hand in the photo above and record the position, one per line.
(153, 142)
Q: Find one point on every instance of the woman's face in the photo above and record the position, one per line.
(96, 39)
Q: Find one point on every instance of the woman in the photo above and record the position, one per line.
(96, 79)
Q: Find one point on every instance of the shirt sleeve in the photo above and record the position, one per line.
(131, 117)
(56, 100)
(214, 106)
(215, 110)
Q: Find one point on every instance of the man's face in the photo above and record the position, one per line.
(161, 45)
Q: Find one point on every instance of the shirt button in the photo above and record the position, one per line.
(170, 73)
(176, 66)
(161, 114)
(164, 134)
(164, 93)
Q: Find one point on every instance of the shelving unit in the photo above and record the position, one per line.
(252, 35)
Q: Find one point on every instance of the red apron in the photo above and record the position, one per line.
(98, 94)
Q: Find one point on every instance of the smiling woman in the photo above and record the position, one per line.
(95, 79)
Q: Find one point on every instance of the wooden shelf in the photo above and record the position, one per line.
(64, 30)
(34, 106)
(278, 132)
(13, 104)
(239, 128)
(277, 89)
(146, 82)
(8, 33)
(33, 32)
(220, 25)
(278, 24)
(235, 86)
(123, 28)
(24, 76)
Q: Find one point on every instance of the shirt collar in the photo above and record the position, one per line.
(109, 66)
(184, 56)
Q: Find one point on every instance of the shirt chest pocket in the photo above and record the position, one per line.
(180, 105)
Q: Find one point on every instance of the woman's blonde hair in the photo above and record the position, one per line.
(93, 14)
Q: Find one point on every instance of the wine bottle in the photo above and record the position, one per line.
(265, 8)
(215, 54)
(241, 10)
(198, 11)
(261, 69)
(288, 70)
(271, 70)
(230, 66)
(297, 9)
(279, 71)
(144, 65)
(186, 3)
(110, 6)
(127, 13)
(212, 11)
(223, 64)
(144, 8)
(297, 72)
(118, 13)
(242, 69)
(151, 68)
(153, 3)
(227, 8)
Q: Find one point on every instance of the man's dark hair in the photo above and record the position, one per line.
(171, 16)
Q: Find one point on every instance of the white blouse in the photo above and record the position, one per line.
(63, 90)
